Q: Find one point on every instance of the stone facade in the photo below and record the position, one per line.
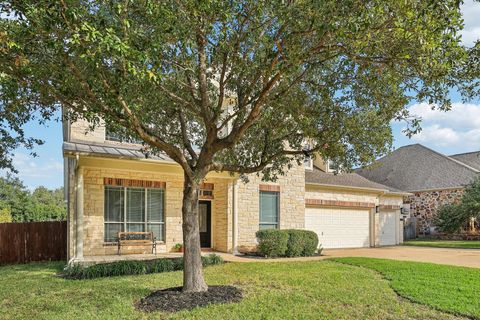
(92, 186)
(85, 176)
(292, 205)
(424, 206)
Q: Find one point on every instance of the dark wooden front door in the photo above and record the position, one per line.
(204, 223)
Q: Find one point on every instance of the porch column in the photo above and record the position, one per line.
(234, 218)
(79, 218)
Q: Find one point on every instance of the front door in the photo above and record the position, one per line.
(204, 223)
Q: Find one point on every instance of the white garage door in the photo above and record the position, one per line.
(339, 228)
(387, 227)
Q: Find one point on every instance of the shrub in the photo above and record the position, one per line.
(122, 268)
(177, 264)
(287, 243)
(301, 243)
(211, 259)
(295, 244)
(272, 242)
(162, 265)
(311, 243)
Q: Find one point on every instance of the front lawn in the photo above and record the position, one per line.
(447, 288)
(280, 290)
(471, 244)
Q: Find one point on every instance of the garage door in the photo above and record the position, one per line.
(387, 228)
(339, 227)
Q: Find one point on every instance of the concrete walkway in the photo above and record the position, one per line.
(454, 257)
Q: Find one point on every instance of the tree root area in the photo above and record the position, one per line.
(173, 299)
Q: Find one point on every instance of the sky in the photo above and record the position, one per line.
(455, 131)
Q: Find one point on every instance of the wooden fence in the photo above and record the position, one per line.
(33, 241)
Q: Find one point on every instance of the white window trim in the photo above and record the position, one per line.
(260, 208)
(125, 223)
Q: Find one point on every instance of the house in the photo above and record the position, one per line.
(433, 179)
(112, 186)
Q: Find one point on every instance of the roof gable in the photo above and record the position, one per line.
(471, 159)
(353, 180)
(416, 167)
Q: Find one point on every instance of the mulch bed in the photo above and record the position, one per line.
(173, 299)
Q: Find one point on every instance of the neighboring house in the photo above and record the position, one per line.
(112, 186)
(433, 179)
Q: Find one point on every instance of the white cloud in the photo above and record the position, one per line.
(459, 127)
(464, 115)
(30, 167)
(471, 14)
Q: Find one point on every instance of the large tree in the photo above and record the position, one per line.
(236, 86)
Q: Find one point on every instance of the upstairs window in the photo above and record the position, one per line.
(308, 162)
(120, 135)
(269, 209)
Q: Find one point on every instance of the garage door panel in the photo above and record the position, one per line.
(339, 227)
(387, 227)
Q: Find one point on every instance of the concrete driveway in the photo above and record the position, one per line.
(454, 257)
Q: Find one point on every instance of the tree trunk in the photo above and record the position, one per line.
(193, 271)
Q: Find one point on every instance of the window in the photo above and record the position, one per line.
(269, 209)
(308, 162)
(308, 159)
(134, 209)
(120, 135)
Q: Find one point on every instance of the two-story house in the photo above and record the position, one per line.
(111, 186)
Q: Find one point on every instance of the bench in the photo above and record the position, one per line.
(137, 239)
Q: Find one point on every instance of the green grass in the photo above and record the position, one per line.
(471, 244)
(281, 290)
(446, 288)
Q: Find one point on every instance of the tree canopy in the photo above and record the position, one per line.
(237, 86)
(337, 72)
(460, 216)
(18, 204)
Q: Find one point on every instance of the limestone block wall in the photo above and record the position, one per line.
(424, 206)
(292, 205)
(327, 193)
(80, 131)
(93, 209)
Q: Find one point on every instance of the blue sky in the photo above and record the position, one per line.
(455, 131)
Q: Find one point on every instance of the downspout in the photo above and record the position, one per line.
(234, 219)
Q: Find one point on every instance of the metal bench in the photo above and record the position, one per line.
(127, 239)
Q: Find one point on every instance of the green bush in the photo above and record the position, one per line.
(122, 268)
(311, 243)
(295, 244)
(211, 259)
(162, 265)
(272, 242)
(301, 243)
(287, 243)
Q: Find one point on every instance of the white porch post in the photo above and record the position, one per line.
(79, 218)
(234, 218)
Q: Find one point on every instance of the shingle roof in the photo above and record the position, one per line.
(317, 176)
(471, 159)
(123, 152)
(416, 167)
